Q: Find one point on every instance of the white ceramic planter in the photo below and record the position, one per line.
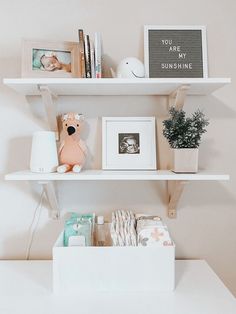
(185, 160)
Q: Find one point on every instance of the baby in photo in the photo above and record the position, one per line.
(129, 143)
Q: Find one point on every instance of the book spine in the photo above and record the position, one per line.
(82, 53)
(98, 55)
(87, 57)
(92, 59)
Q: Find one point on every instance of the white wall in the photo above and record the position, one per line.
(206, 223)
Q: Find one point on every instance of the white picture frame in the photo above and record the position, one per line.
(128, 143)
(147, 49)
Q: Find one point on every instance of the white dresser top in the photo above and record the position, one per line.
(26, 288)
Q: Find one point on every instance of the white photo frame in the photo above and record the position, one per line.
(128, 143)
(162, 63)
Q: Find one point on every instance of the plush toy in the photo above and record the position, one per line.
(129, 68)
(72, 152)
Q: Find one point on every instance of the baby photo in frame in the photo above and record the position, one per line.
(49, 59)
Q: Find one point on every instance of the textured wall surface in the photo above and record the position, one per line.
(206, 223)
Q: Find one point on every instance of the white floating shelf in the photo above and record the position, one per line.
(110, 86)
(100, 175)
(176, 182)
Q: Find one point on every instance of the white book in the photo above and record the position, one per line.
(92, 59)
(98, 55)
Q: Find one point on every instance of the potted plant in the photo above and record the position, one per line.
(184, 136)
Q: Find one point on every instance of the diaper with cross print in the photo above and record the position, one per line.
(152, 232)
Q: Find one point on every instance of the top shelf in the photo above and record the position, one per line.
(110, 86)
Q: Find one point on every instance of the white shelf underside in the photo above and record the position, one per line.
(109, 86)
(107, 175)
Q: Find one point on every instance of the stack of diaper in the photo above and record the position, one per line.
(128, 229)
(123, 231)
(152, 232)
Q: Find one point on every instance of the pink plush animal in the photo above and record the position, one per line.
(72, 152)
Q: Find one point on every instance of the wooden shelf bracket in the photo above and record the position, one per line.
(177, 98)
(49, 101)
(49, 189)
(175, 190)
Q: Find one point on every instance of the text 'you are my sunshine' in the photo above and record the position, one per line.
(180, 64)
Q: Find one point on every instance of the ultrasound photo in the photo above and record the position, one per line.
(129, 143)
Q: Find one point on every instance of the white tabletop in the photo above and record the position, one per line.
(26, 287)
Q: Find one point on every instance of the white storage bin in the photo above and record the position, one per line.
(88, 269)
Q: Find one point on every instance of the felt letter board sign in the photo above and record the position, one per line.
(175, 51)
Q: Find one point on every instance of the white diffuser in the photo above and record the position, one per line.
(44, 157)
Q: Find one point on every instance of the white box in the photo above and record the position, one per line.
(113, 269)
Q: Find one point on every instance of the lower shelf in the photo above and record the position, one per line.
(100, 175)
(175, 186)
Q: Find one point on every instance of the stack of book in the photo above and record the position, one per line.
(90, 55)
